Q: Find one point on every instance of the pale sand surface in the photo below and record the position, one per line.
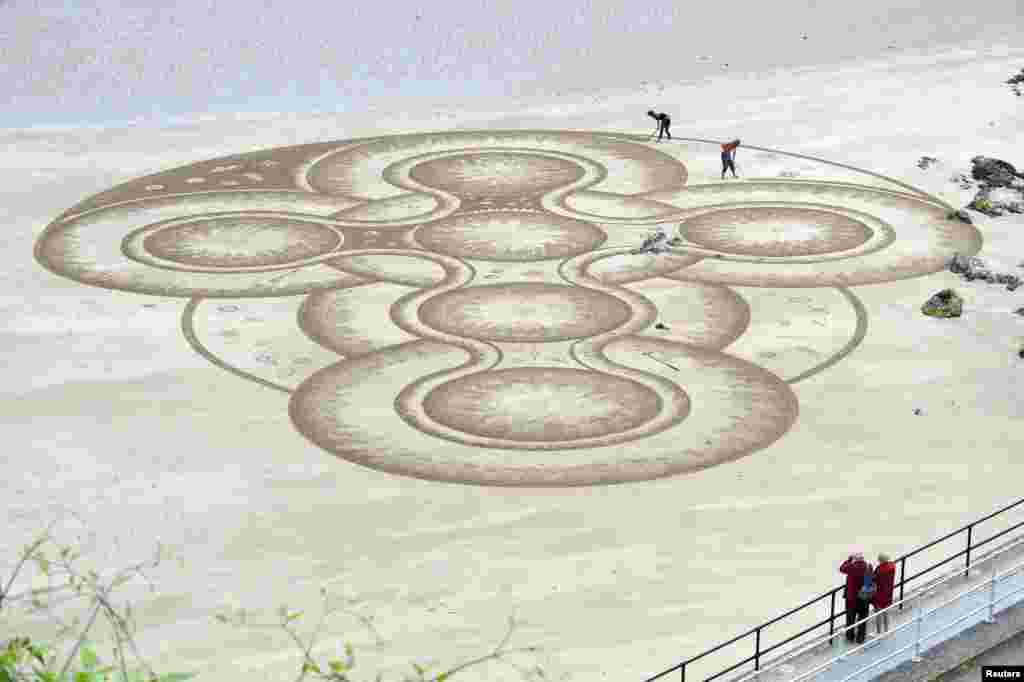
(108, 411)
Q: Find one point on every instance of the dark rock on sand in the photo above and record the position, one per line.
(972, 268)
(946, 303)
(994, 172)
(961, 215)
(969, 266)
(1000, 187)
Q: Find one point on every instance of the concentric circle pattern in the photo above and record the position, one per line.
(503, 235)
(516, 404)
(778, 232)
(241, 241)
(524, 312)
(480, 306)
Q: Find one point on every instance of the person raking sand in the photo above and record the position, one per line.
(664, 123)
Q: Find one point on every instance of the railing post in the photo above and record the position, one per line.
(832, 619)
(903, 578)
(757, 648)
(916, 658)
(992, 597)
(682, 673)
(967, 572)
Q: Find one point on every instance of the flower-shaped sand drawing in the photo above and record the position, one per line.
(472, 306)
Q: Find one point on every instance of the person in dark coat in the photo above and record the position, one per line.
(885, 581)
(664, 123)
(854, 567)
(864, 604)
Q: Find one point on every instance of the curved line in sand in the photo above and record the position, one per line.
(189, 331)
(859, 333)
(914, 190)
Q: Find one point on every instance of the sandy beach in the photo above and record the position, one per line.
(110, 411)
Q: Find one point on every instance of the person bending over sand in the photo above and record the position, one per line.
(664, 122)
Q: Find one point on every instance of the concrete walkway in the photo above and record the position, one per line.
(1009, 652)
(925, 597)
(960, 658)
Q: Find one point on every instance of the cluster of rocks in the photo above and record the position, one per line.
(1001, 187)
(962, 180)
(658, 243)
(1015, 82)
(972, 268)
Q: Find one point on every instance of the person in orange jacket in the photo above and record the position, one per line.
(729, 157)
(885, 580)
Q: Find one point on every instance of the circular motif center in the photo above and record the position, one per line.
(510, 236)
(241, 241)
(506, 177)
(524, 312)
(782, 232)
(542, 404)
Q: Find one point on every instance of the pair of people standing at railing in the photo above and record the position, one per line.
(866, 586)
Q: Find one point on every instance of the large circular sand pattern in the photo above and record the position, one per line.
(241, 241)
(775, 231)
(499, 179)
(472, 307)
(510, 236)
(524, 312)
(541, 405)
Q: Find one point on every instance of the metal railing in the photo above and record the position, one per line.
(918, 598)
(917, 621)
(829, 599)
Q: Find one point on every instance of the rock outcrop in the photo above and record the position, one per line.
(994, 172)
(946, 303)
(1000, 187)
(971, 269)
(1015, 82)
(658, 243)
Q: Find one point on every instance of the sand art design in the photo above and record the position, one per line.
(469, 306)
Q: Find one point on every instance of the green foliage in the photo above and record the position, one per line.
(22, 660)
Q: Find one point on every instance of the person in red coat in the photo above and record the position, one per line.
(729, 157)
(854, 567)
(885, 581)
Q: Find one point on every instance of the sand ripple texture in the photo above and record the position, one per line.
(469, 306)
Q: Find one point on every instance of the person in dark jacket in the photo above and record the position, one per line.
(864, 603)
(854, 567)
(885, 581)
(664, 122)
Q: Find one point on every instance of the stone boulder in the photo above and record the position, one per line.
(971, 268)
(946, 303)
(658, 243)
(994, 172)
